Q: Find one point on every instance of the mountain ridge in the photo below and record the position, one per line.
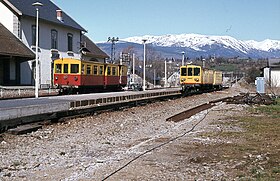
(203, 45)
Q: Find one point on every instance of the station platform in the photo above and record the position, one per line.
(18, 111)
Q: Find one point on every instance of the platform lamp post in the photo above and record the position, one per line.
(144, 66)
(183, 58)
(37, 5)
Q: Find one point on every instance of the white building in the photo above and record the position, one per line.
(59, 36)
(272, 73)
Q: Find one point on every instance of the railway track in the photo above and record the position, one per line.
(83, 108)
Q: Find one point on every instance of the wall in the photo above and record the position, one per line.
(7, 19)
(273, 75)
(45, 47)
(1, 73)
(275, 78)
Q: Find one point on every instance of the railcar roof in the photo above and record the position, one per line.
(84, 61)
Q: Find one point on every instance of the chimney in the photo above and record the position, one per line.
(59, 15)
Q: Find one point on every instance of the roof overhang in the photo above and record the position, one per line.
(12, 7)
(89, 54)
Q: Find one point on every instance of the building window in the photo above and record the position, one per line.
(33, 36)
(70, 41)
(54, 39)
(33, 29)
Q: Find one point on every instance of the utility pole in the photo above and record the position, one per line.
(154, 78)
(144, 66)
(165, 73)
(113, 40)
(133, 68)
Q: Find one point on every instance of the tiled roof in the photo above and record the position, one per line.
(275, 62)
(12, 46)
(47, 12)
(91, 49)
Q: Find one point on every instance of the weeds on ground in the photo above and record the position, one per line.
(258, 147)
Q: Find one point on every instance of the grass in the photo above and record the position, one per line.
(258, 146)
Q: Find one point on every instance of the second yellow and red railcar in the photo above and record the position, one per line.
(194, 78)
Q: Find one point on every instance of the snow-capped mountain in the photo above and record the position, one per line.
(196, 45)
(193, 41)
(266, 45)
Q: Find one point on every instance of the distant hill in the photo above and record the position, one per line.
(195, 45)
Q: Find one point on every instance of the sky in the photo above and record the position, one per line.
(242, 19)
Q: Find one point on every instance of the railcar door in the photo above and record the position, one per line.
(107, 75)
(123, 75)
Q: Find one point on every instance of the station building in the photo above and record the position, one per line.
(59, 37)
(12, 53)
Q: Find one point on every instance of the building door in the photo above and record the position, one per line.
(1, 73)
(6, 72)
(33, 75)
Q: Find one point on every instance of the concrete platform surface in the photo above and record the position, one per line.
(17, 108)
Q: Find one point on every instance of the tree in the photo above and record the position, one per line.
(251, 74)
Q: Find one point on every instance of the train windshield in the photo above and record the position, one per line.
(58, 68)
(65, 68)
(190, 71)
(74, 68)
(196, 71)
(183, 71)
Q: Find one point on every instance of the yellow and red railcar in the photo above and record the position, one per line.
(80, 75)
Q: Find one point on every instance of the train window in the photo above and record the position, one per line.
(95, 70)
(109, 70)
(58, 68)
(101, 70)
(83, 69)
(65, 68)
(183, 72)
(74, 68)
(196, 71)
(190, 71)
(88, 69)
(114, 71)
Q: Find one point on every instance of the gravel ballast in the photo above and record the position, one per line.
(93, 147)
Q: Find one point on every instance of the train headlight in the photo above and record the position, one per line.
(196, 79)
(75, 78)
(183, 80)
(56, 78)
